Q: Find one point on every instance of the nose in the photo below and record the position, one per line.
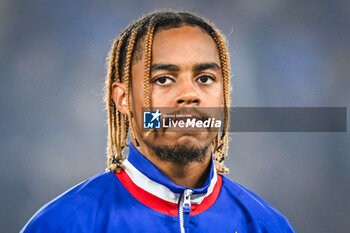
(188, 95)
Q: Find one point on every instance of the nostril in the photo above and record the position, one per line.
(180, 101)
(195, 101)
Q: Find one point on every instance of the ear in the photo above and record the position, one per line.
(119, 96)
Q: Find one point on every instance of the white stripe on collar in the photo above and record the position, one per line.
(160, 190)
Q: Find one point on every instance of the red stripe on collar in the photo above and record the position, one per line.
(164, 206)
(209, 200)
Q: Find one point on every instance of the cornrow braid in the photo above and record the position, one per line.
(127, 78)
(111, 108)
(221, 151)
(119, 119)
(148, 62)
(126, 49)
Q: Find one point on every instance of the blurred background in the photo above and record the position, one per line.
(284, 54)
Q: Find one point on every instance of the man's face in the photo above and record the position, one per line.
(185, 72)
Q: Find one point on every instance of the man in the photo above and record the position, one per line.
(170, 180)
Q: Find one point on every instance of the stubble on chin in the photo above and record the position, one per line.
(179, 153)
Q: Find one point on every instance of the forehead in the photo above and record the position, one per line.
(184, 45)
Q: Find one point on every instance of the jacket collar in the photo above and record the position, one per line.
(150, 186)
(142, 164)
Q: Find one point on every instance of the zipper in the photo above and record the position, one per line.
(185, 210)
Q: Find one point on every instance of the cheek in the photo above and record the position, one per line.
(159, 97)
(214, 95)
(163, 97)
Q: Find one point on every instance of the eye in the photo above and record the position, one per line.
(206, 79)
(163, 80)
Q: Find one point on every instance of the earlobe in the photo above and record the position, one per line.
(119, 97)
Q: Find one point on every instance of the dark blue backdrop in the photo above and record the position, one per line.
(283, 53)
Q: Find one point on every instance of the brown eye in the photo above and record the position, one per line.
(206, 79)
(163, 80)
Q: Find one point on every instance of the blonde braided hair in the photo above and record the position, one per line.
(119, 69)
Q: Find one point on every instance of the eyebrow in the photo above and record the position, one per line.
(169, 67)
(205, 66)
(197, 67)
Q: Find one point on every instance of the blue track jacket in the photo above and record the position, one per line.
(142, 199)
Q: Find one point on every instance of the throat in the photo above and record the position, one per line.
(190, 175)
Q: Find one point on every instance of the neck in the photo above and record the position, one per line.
(192, 175)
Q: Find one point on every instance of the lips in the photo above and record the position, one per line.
(186, 114)
(184, 118)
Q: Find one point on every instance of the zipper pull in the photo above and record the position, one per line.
(187, 207)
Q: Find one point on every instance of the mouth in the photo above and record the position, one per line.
(185, 118)
(188, 120)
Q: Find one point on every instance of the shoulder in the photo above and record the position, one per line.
(77, 201)
(254, 207)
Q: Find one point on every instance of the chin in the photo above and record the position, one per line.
(190, 141)
(184, 139)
